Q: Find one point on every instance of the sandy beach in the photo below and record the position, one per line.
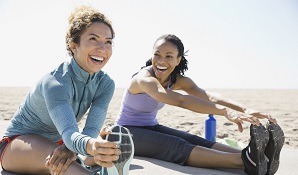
(281, 104)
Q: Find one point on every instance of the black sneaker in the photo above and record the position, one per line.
(273, 148)
(122, 136)
(253, 156)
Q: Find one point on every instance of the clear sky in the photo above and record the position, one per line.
(231, 43)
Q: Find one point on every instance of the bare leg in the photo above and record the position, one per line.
(27, 154)
(225, 148)
(212, 158)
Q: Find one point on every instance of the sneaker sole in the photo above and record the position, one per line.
(121, 136)
(261, 137)
(277, 136)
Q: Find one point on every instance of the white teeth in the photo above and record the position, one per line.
(97, 58)
(160, 67)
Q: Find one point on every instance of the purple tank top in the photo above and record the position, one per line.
(138, 109)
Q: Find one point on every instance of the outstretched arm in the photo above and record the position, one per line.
(153, 88)
(187, 85)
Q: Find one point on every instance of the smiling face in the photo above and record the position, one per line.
(165, 59)
(94, 48)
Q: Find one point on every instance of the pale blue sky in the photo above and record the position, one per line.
(231, 43)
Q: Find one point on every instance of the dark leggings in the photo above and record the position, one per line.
(164, 143)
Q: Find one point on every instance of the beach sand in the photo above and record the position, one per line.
(281, 104)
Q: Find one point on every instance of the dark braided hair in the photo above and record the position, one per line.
(182, 66)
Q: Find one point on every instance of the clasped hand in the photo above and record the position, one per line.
(60, 159)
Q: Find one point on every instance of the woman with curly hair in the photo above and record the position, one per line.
(155, 85)
(43, 137)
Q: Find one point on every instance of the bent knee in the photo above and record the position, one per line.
(25, 151)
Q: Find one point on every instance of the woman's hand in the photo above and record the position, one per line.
(260, 115)
(60, 159)
(238, 118)
(103, 152)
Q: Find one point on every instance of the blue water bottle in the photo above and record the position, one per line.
(210, 128)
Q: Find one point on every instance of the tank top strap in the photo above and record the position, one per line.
(150, 70)
(170, 83)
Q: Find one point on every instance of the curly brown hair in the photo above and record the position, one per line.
(81, 19)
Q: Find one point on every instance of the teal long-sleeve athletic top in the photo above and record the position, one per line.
(58, 102)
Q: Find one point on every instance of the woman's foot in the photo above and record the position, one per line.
(272, 151)
(254, 159)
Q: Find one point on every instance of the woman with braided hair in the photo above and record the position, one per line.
(154, 85)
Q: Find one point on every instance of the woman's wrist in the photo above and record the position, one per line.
(222, 110)
(89, 147)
